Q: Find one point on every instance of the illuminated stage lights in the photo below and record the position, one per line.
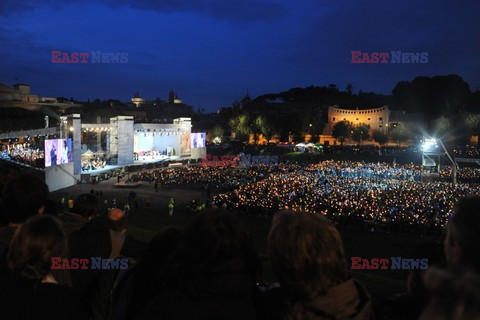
(429, 144)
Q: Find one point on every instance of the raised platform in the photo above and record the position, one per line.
(100, 170)
(92, 176)
(175, 165)
(126, 185)
(151, 159)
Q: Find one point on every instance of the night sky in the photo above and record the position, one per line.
(211, 52)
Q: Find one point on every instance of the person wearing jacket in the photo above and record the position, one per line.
(308, 258)
(31, 290)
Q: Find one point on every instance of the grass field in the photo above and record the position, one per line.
(146, 222)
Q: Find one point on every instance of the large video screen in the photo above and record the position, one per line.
(58, 151)
(198, 140)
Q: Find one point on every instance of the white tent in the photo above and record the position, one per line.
(300, 145)
(310, 145)
(88, 153)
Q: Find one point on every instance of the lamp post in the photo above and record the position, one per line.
(387, 133)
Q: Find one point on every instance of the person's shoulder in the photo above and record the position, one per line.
(59, 295)
(6, 233)
(9, 282)
(272, 303)
(48, 288)
(59, 301)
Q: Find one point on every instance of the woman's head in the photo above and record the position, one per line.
(214, 238)
(307, 254)
(87, 205)
(462, 243)
(452, 296)
(34, 244)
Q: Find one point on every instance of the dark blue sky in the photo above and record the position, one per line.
(211, 51)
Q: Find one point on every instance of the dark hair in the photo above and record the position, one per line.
(307, 254)
(23, 197)
(453, 296)
(52, 208)
(34, 244)
(87, 205)
(212, 239)
(153, 271)
(7, 172)
(425, 250)
(465, 230)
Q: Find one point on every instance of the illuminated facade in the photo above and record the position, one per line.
(19, 92)
(137, 100)
(377, 118)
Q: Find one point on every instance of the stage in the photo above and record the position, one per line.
(152, 159)
(126, 185)
(104, 169)
(108, 171)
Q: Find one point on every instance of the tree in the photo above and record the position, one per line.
(264, 127)
(380, 137)
(361, 132)
(342, 131)
(438, 95)
(241, 126)
(314, 125)
(466, 124)
(293, 124)
(217, 132)
(400, 134)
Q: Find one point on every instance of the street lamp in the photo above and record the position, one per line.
(387, 133)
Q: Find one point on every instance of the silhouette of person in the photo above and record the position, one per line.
(53, 155)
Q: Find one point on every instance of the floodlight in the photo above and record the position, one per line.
(429, 144)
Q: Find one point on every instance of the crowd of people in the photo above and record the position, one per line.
(26, 153)
(220, 178)
(376, 196)
(464, 174)
(93, 164)
(210, 269)
(466, 152)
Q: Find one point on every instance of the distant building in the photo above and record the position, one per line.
(137, 100)
(159, 110)
(19, 96)
(19, 92)
(377, 118)
(173, 98)
(48, 100)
